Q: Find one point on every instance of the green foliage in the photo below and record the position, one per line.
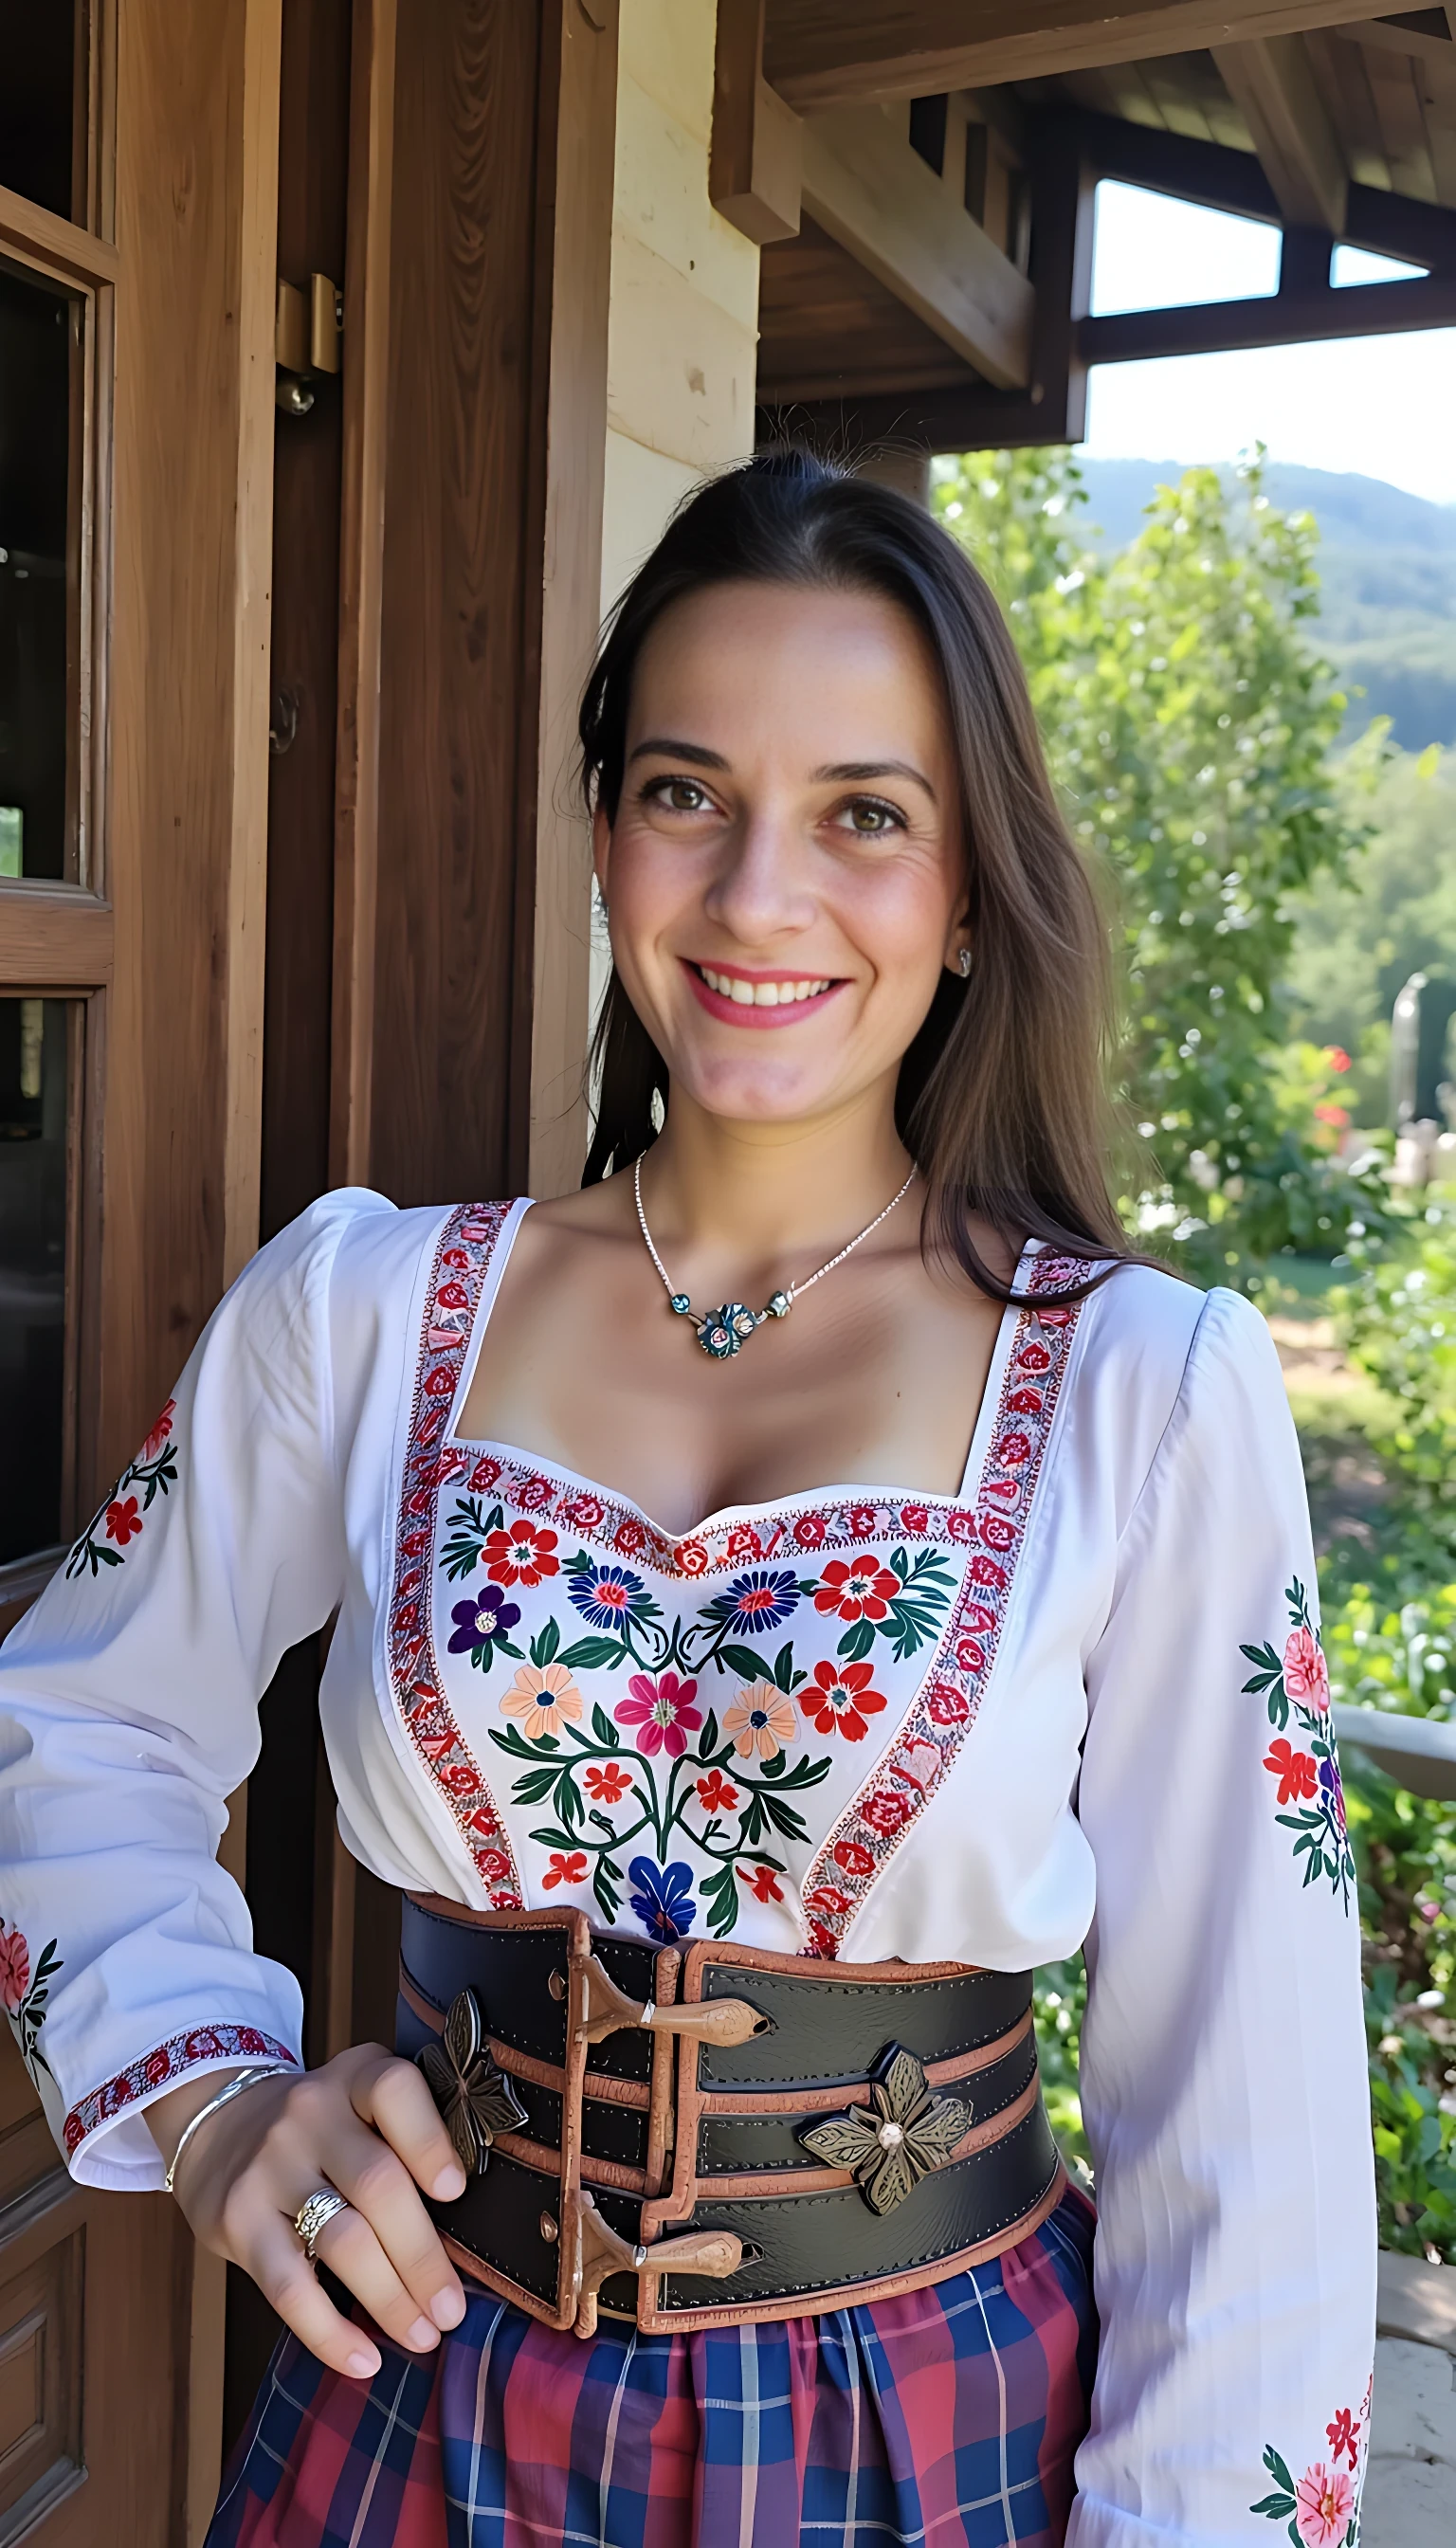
(1189, 725)
(1397, 1321)
(1059, 2002)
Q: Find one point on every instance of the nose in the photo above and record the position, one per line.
(761, 891)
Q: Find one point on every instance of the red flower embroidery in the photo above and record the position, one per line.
(862, 1521)
(828, 1901)
(693, 1558)
(764, 1885)
(985, 1570)
(520, 1555)
(161, 1431)
(534, 1494)
(456, 1258)
(915, 1516)
(843, 1700)
(822, 1940)
(1344, 2436)
(452, 1296)
(997, 1531)
(863, 1590)
(744, 1542)
(853, 1857)
(885, 1811)
(15, 1968)
(716, 1795)
(809, 1530)
(564, 1870)
(608, 1786)
(1013, 1448)
(484, 1822)
(584, 1512)
(484, 1475)
(946, 1705)
(494, 1867)
(630, 1537)
(1295, 1771)
(1034, 1358)
(1024, 1401)
(1306, 1673)
(959, 1524)
(969, 1655)
(123, 1522)
(440, 1382)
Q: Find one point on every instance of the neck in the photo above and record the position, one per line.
(761, 1193)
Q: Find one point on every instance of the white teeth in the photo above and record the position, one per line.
(760, 995)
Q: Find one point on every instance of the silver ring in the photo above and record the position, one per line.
(312, 2219)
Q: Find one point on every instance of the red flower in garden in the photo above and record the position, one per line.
(843, 1701)
(608, 1786)
(161, 1431)
(1306, 1673)
(520, 1555)
(1339, 1060)
(123, 1522)
(716, 1795)
(860, 1590)
(563, 1868)
(15, 1968)
(762, 1884)
(1295, 1771)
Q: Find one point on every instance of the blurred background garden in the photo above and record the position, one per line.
(1247, 721)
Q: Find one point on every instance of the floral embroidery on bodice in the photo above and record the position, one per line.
(729, 1732)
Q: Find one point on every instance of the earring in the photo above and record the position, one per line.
(963, 960)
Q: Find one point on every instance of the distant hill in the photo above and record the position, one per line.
(1387, 582)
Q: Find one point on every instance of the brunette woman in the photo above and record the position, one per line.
(784, 1592)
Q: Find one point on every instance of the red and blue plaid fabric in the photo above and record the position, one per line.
(949, 2416)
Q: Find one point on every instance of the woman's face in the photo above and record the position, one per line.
(785, 873)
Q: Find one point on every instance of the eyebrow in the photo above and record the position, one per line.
(832, 773)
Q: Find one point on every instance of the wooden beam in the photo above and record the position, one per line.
(873, 194)
(1282, 318)
(1273, 86)
(1231, 181)
(757, 159)
(1388, 35)
(837, 52)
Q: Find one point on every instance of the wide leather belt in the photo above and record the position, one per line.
(699, 2135)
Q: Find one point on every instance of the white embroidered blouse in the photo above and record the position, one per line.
(1084, 1698)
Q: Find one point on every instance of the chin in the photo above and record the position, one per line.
(742, 1093)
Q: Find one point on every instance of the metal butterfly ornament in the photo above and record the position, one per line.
(904, 2133)
(472, 2091)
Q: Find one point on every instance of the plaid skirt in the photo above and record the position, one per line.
(948, 2418)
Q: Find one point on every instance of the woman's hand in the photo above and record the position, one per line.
(364, 2123)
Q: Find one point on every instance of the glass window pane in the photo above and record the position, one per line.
(32, 1146)
(38, 329)
(38, 60)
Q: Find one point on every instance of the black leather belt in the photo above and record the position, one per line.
(701, 2134)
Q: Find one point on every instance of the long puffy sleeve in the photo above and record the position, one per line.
(1223, 2079)
(129, 1710)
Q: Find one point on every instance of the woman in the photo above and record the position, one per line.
(745, 1698)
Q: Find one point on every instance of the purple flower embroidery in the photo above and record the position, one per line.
(482, 1622)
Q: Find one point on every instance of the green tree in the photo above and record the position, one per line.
(1190, 727)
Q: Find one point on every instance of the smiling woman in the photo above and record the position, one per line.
(742, 1728)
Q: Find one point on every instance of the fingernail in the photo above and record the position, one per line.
(422, 2334)
(449, 2185)
(447, 2309)
(362, 2366)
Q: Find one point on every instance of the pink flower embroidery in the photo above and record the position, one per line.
(1306, 1673)
(15, 1968)
(885, 1811)
(663, 1711)
(1324, 2501)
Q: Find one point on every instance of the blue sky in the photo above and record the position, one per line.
(1384, 407)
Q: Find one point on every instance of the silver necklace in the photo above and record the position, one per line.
(723, 1331)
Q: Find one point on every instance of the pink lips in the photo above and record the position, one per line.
(738, 1012)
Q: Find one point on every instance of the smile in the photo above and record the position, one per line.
(760, 999)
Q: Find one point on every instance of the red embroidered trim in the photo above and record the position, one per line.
(163, 2067)
(894, 1796)
(461, 1262)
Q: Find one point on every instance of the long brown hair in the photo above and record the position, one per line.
(1001, 1099)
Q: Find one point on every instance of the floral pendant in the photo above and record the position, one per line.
(903, 2134)
(472, 2093)
(724, 1332)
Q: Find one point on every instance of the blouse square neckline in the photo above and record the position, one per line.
(843, 1491)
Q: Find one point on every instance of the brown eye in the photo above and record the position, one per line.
(679, 795)
(871, 820)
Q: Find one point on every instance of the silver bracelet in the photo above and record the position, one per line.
(233, 2088)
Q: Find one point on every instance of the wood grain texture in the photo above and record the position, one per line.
(450, 1096)
(828, 330)
(53, 938)
(836, 53)
(578, 87)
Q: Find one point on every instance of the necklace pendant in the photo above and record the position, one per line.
(724, 1332)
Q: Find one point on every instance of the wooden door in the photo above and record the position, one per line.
(138, 174)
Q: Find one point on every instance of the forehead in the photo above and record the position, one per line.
(769, 659)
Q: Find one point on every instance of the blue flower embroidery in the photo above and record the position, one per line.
(607, 1595)
(664, 1900)
(482, 1622)
(761, 1599)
